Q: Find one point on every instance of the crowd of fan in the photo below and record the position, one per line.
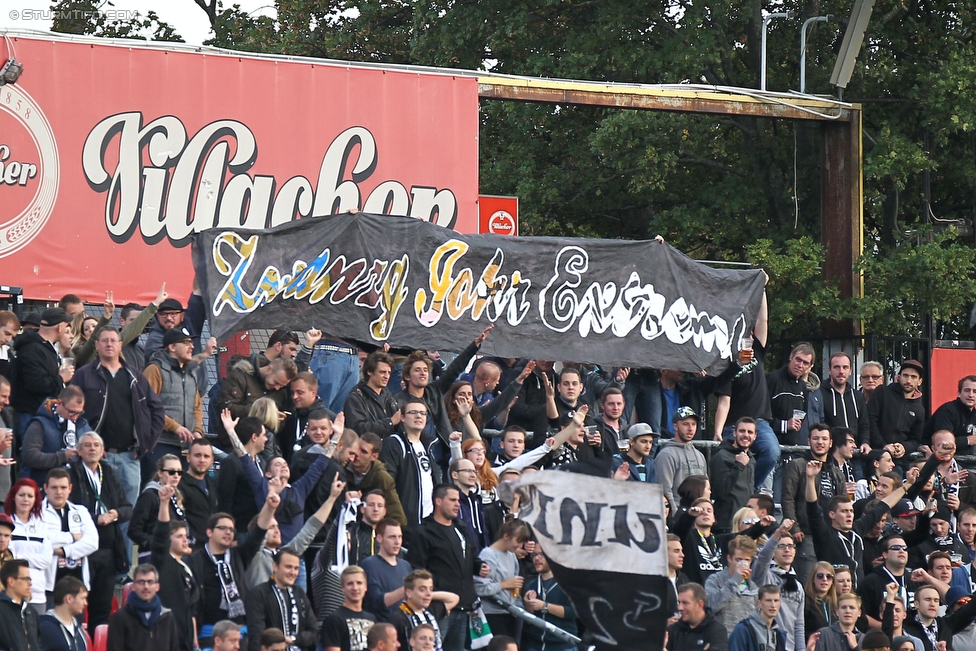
(346, 499)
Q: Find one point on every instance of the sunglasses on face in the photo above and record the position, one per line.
(898, 548)
(174, 473)
(825, 577)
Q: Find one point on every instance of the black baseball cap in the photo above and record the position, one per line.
(176, 335)
(54, 316)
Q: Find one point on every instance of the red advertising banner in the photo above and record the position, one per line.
(498, 215)
(112, 157)
(949, 365)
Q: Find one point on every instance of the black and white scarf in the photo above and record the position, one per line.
(931, 631)
(424, 617)
(288, 605)
(230, 596)
(790, 582)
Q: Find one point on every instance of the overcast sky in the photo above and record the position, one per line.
(185, 16)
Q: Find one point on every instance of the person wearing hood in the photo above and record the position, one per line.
(843, 405)
(759, 631)
(60, 627)
(51, 438)
(678, 458)
(37, 373)
(19, 626)
(143, 623)
(788, 393)
(169, 472)
(897, 414)
(732, 472)
(774, 566)
(696, 629)
(171, 373)
(305, 399)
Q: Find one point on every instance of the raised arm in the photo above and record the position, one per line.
(761, 330)
(451, 373)
(507, 397)
(307, 534)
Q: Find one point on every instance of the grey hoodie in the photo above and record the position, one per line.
(790, 617)
(831, 639)
(767, 636)
(674, 462)
(729, 599)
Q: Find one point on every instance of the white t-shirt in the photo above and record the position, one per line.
(426, 478)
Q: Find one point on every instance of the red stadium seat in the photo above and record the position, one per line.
(101, 638)
(126, 589)
(88, 640)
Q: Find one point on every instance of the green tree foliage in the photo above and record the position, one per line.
(722, 188)
(94, 17)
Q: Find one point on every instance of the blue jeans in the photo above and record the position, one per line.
(455, 631)
(766, 448)
(644, 395)
(129, 473)
(337, 373)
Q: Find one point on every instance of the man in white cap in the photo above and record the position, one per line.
(640, 465)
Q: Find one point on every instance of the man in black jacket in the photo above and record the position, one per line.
(828, 483)
(122, 407)
(697, 629)
(268, 602)
(409, 458)
(143, 622)
(898, 415)
(37, 374)
(199, 490)
(788, 393)
(19, 624)
(957, 416)
(371, 407)
(927, 602)
(732, 472)
(220, 567)
(95, 486)
(844, 406)
(440, 545)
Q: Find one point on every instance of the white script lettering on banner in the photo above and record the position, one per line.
(183, 191)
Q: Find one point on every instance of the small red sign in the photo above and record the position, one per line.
(499, 215)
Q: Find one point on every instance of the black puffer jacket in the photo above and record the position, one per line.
(35, 372)
(895, 418)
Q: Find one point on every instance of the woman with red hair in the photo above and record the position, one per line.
(29, 540)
